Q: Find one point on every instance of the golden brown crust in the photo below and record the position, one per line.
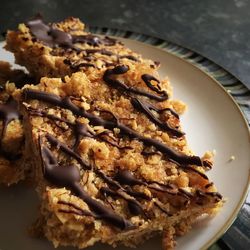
(70, 228)
(42, 60)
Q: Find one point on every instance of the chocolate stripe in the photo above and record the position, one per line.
(95, 120)
(122, 69)
(69, 177)
(134, 206)
(54, 37)
(148, 78)
(146, 109)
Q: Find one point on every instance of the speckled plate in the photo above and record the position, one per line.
(213, 121)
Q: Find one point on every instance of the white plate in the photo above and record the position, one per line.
(213, 121)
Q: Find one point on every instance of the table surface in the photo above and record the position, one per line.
(219, 30)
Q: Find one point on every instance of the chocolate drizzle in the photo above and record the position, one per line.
(100, 51)
(189, 168)
(48, 35)
(125, 177)
(122, 69)
(110, 139)
(54, 142)
(76, 65)
(53, 37)
(140, 105)
(157, 204)
(146, 108)
(94, 40)
(69, 176)
(76, 210)
(134, 206)
(66, 103)
(130, 57)
(8, 113)
(81, 130)
(147, 79)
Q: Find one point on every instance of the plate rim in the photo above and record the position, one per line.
(136, 37)
(173, 49)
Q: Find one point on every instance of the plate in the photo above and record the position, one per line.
(213, 121)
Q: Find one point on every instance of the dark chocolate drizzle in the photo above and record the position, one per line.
(66, 103)
(148, 78)
(215, 195)
(65, 175)
(48, 35)
(94, 40)
(210, 184)
(130, 57)
(100, 51)
(134, 206)
(74, 209)
(107, 137)
(62, 146)
(76, 65)
(81, 130)
(53, 37)
(76, 212)
(8, 113)
(186, 193)
(125, 177)
(189, 168)
(122, 69)
(162, 209)
(69, 177)
(146, 108)
(137, 194)
(108, 179)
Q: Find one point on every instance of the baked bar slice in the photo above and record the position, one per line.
(13, 167)
(111, 162)
(60, 49)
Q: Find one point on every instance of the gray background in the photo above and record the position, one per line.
(217, 29)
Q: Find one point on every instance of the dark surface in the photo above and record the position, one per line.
(218, 30)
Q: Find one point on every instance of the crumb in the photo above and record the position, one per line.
(232, 158)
